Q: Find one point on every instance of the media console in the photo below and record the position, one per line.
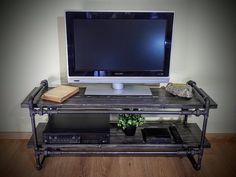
(159, 103)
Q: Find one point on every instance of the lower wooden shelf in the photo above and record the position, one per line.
(191, 135)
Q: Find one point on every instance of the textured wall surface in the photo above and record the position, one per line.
(32, 48)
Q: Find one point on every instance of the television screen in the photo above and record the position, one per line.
(119, 45)
(132, 47)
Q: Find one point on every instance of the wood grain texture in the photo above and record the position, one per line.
(15, 135)
(17, 161)
(159, 99)
(222, 137)
(119, 142)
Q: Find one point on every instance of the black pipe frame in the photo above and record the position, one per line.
(190, 153)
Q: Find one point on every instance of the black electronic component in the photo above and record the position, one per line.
(77, 128)
(175, 134)
(62, 138)
(156, 135)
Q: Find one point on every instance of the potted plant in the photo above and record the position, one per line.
(129, 122)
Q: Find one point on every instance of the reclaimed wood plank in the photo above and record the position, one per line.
(190, 134)
(159, 99)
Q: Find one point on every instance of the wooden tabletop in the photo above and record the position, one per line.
(159, 99)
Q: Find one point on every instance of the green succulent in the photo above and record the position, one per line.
(127, 120)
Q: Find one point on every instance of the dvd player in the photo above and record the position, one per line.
(77, 129)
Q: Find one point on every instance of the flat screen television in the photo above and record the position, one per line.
(118, 48)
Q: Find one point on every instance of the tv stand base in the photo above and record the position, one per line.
(161, 103)
(104, 89)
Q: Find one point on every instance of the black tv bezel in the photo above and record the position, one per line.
(70, 16)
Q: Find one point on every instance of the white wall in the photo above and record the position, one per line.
(32, 48)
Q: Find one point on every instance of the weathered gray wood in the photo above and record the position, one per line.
(190, 134)
(159, 99)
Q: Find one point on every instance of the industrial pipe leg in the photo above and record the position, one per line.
(35, 138)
